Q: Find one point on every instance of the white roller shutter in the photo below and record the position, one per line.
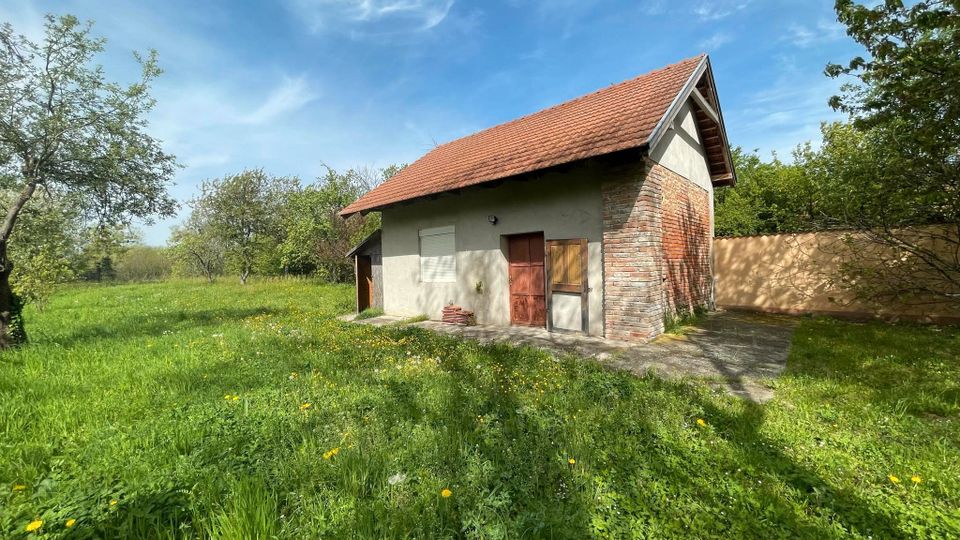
(438, 255)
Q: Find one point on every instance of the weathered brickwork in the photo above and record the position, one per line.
(686, 243)
(656, 249)
(632, 255)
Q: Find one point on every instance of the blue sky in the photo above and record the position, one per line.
(293, 84)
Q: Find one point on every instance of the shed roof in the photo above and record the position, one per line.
(371, 240)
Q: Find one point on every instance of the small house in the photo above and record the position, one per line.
(592, 216)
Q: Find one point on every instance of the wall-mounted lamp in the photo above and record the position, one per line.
(492, 219)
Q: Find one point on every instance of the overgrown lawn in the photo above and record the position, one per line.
(187, 410)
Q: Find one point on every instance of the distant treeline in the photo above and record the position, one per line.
(250, 223)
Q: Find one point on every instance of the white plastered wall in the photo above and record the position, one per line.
(562, 205)
(680, 150)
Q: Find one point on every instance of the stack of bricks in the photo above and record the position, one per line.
(457, 315)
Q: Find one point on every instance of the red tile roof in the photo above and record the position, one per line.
(615, 118)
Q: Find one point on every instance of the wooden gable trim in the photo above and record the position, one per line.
(702, 103)
(708, 104)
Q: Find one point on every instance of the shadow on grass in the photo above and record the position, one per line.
(544, 496)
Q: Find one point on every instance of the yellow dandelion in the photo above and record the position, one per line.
(34, 525)
(894, 479)
(572, 461)
(226, 396)
(71, 522)
(19, 487)
(446, 493)
(916, 479)
(701, 422)
(113, 502)
(305, 406)
(235, 398)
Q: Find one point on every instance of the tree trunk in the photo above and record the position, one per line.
(12, 332)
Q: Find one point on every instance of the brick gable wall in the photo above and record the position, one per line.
(656, 249)
(686, 243)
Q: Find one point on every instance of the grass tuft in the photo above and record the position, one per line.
(369, 313)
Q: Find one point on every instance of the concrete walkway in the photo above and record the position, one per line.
(735, 351)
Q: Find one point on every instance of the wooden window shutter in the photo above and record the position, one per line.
(567, 265)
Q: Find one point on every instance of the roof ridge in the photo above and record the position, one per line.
(571, 101)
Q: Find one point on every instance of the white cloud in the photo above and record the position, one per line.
(359, 17)
(719, 9)
(24, 17)
(823, 32)
(715, 41)
(784, 114)
(290, 96)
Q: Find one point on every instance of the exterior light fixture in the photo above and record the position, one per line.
(492, 219)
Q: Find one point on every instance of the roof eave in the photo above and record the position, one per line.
(642, 148)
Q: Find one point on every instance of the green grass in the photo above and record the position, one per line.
(369, 313)
(187, 404)
(683, 322)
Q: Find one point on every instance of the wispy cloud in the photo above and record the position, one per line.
(719, 9)
(290, 96)
(785, 113)
(654, 7)
(715, 41)
(823, 32)
(29, 21)
(371, 16)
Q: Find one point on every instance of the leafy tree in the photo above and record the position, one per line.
(316, 238)
(68, 132)
(104, 245)
(770, 197)
(196, 249)
(144, 263)
(895, 251)
(45, 249)
(900, 167)
(243, 212)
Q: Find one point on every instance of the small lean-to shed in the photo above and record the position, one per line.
(368, 269)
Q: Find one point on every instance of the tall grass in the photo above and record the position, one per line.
(251, 412)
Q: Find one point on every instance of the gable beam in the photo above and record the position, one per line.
(705, 106)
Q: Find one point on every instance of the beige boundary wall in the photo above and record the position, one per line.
(796, 273)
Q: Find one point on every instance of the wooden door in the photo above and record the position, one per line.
(364, 282)
(567, 276)
(528, 305)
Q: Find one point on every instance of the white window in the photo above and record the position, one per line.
(438, 255)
